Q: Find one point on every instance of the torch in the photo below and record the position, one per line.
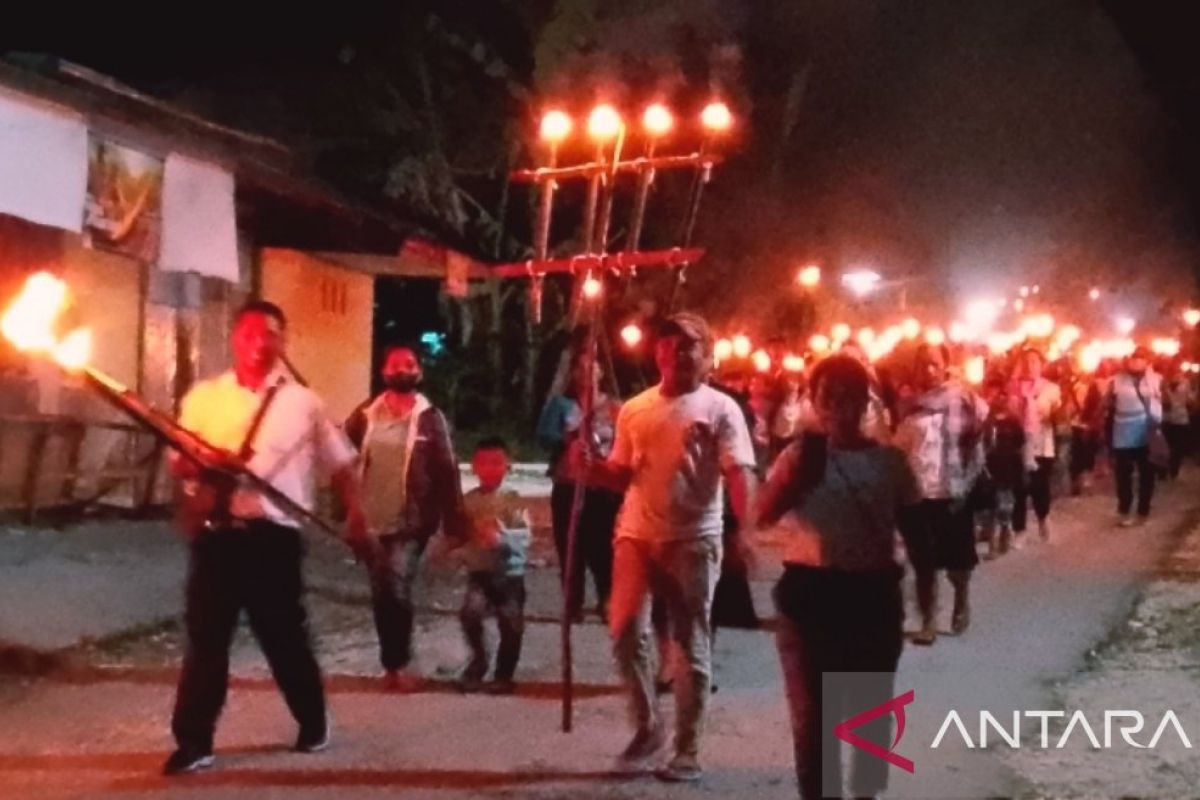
(606, 125)
(29, 324)
(591, 292)
(716, 119)
(603, 126)
(657, 122)
(556, 126)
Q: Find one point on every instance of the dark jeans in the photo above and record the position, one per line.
(393, 566)
(1084, 444)
(832, 621)
(1038, 492)
(489, 593)
(1127, 461)
(257, 569)
(1177, 441)
(593, 543)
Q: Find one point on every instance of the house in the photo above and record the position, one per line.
(162, 223)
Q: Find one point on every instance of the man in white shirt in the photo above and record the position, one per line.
(249, 555)
(675, 445)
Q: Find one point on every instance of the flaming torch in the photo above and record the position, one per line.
(30, 324)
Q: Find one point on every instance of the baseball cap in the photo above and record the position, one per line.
(689, 325)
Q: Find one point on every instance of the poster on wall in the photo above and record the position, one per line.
(123, 212)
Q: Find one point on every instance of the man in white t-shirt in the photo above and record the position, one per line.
(676, 444)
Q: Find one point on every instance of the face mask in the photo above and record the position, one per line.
(403, 382)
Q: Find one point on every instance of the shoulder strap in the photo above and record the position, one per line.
(814, 453)
(244, 451)
(1137, 387)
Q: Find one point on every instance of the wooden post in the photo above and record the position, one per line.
(33, 468)
(587, 406)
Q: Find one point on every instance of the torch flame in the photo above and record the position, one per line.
(975, 370)
(73, 352)
(29, 322)
(762, 361)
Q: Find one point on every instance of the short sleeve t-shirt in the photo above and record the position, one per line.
(384, 459)
(676, 448)
(500, 532)
(294, 439)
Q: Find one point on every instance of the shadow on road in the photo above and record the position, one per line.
(334, 684)
(147, 765)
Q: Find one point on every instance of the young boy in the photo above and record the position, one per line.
(495, 556)
(1004, 439)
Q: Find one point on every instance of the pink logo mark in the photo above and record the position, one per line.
(845, 730)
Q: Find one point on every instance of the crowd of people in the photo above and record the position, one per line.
(862, 470)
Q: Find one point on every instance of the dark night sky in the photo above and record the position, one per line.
(980, 142)
(986, 144)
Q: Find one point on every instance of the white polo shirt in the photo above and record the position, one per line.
(294, 439)
(676, 448)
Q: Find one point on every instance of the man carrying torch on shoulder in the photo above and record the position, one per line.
(248, 553)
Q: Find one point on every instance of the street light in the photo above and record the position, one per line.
(741, 345)
(819, 343)
(631, 334)
(1125, 325)
(1191, 317)
(1094, 294)
(981, 314)
(861, 282)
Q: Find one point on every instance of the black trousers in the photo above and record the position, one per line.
(832, 622)
(489, 593)
(1084, 444)
(594, 540)
(393, 566)
(1127, 461)
(938, 534)
(1177, 441)
(256, 569)
(1036, 490)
